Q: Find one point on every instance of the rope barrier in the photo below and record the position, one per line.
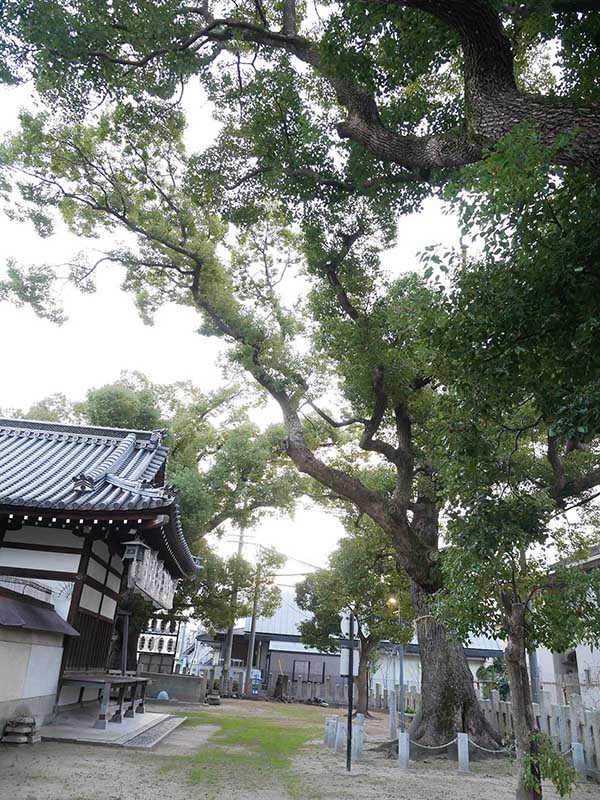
(487, 750)
(430, 747)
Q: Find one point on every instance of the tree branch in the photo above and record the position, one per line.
(555, 462)
(330, 421)
(331, 267)
(367, 442)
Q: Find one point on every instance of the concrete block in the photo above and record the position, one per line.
(403, 750)
(463, 752)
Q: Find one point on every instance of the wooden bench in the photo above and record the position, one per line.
(122, 685)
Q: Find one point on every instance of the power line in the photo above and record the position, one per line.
(291, 574)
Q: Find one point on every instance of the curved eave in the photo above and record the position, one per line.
(171, 542)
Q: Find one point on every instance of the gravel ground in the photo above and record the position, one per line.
(59, 771)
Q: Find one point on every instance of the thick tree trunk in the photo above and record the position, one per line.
(448, 701)
(520, 694)
(362, 681)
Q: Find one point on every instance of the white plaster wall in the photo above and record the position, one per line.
(43, 671)
(38, 560)
(113, 582)
(388, 670)
(100, 548)
(96, 570)
(29, 663)
(90, 599)
(548, 680)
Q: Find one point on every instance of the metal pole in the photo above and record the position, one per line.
(401, 652)
(350, 694)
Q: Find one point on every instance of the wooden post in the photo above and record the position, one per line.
(271, 684)
(579, 762)
(495, 698)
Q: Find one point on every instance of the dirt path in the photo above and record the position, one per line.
(58, 771)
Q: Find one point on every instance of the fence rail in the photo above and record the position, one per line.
(564, 724)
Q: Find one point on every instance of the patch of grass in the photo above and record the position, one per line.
(250, 751)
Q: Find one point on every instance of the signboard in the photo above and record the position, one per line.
(345, 623)
(345, 662)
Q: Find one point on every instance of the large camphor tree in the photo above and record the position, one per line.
(417, 91)
(371, 342)
(520, 358)
(418, 84)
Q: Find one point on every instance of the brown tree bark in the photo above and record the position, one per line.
(520, 691)
(448, 700)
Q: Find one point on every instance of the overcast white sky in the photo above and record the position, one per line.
(104, 335)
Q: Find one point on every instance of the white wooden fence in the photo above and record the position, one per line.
(563, 723)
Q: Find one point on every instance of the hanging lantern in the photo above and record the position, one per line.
(135, 551)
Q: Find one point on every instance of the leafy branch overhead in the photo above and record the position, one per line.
(418, 84)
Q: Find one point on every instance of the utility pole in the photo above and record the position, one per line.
(229, 637)
(250, 656)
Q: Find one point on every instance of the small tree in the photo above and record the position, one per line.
(361, 578)
(498, 580)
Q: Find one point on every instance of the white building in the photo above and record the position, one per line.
(576, 671)
(479, 651)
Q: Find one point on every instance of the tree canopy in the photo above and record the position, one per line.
(396, 90)
(362, 577)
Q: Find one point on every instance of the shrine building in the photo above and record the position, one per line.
(84, 515)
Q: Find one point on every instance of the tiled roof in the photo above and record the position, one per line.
(47, 465)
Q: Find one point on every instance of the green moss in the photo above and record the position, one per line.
(252, 752)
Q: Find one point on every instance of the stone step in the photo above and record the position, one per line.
(12, 727)
(148, 739)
